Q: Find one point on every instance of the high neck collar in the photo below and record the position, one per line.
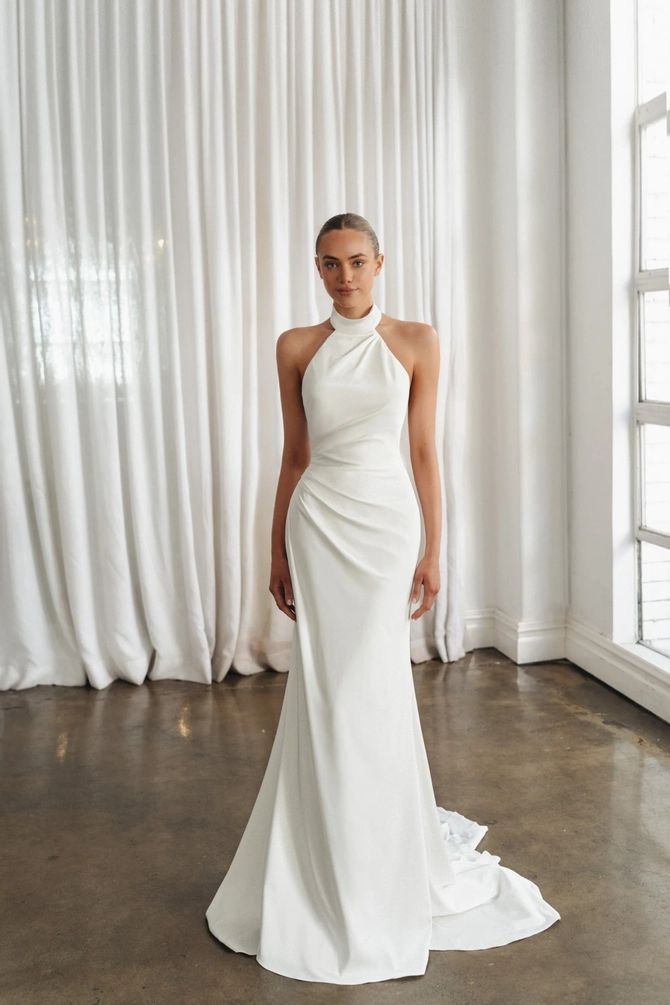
(356, 326)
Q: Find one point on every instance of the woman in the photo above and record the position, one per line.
(347, 871)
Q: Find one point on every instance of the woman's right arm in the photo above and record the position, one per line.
(295, 458)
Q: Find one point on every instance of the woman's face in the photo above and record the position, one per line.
(347, 265)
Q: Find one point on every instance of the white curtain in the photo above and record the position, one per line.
(164, 170)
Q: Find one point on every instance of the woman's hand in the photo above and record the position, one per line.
(281, 588)
(427, 575)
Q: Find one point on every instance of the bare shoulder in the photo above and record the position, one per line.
(293, 338)
(423, 335)
(427, 345)
(416, 338)
(415, 331)
(295, 344)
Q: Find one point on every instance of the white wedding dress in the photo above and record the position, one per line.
(347, 871)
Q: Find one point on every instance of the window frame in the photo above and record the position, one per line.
(645, 281)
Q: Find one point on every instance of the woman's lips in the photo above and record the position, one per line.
(345, 292)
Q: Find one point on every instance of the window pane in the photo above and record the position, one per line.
(653, 29)
(655, 497)
(655, 201)
(655, 346)
(655, 598)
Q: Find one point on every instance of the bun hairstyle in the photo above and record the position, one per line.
(349, 221)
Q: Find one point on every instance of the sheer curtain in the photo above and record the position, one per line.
(164, 169)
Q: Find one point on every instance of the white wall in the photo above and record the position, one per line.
(516, 549)
(589, 272)
(549, 91)
(600, 100)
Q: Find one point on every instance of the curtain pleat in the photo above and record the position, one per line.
(164, 171)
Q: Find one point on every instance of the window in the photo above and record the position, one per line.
(652, 325)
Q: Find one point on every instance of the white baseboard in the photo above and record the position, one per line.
(634, 670)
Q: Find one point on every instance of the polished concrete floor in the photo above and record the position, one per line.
(121, 809)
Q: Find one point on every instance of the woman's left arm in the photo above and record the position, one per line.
(423, 453)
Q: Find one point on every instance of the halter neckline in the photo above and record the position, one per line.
(356, 326)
